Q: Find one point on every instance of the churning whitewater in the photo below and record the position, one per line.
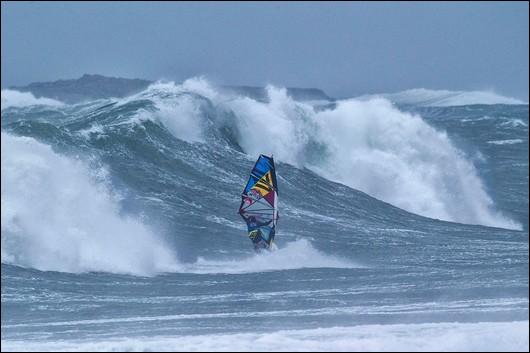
(400, 213)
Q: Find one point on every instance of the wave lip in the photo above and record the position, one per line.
(443, 98)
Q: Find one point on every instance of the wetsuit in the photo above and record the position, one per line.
(256, 235)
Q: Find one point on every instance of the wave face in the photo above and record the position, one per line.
(411, 215)
(371, 146)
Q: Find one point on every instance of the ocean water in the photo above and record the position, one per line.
(403, 225)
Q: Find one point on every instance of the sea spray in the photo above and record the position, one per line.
(56, 217)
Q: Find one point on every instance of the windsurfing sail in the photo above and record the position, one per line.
(259, 203)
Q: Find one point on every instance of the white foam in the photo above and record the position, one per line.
(368, 145)
(296, 255)
(481, 336)
(55, 216)
(514, 123)
(444, 98)
(96, 130)
(505, 142)
(397, 157)
(373, 147)
(12, 98)
(180, 112)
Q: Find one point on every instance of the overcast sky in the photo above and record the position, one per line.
(343, 48)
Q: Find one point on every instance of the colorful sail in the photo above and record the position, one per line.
(259, 203)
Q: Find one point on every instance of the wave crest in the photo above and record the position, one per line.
(12, 98)
(444, 98)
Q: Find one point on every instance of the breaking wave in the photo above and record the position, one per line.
(60, 214)
(56, 217)
(368, 145)
(12, 98)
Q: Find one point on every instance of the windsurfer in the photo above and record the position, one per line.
(259, 204)
(258, 238)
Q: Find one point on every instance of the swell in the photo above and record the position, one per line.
(176, 156)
